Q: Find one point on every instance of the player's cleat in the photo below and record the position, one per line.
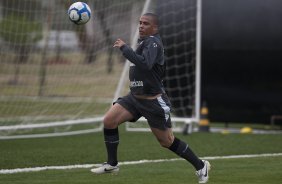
(105, 168)
(203, 174)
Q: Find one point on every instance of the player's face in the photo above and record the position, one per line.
(147, 27)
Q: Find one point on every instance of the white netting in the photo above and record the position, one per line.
(54, 70)
(180, 31)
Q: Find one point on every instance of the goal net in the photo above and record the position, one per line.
(180, 26)
(57, 78)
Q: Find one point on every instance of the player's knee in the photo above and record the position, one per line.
(166, 143)
(109, 122)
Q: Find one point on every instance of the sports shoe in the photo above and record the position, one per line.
(105, 168)
(203, 174)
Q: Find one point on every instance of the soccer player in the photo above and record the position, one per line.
(146, 98)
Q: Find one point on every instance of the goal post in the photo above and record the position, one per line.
(57, 78)
(124, 74)
(180, 29)
(53, 72)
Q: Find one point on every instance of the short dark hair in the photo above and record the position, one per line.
(154, 16)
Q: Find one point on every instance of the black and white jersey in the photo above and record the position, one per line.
(147, 66)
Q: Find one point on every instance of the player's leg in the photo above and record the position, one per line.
(114, 117)
(160, 124)
(123, 110)
(168, 140)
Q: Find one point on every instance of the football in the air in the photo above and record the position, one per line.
(79, 13)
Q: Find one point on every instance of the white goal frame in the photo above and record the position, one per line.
(188, 121)
(95, 120)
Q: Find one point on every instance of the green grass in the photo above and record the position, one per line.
(258, 126)
(89, 149)
(243, 171)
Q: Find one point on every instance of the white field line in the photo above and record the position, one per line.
(85, 166)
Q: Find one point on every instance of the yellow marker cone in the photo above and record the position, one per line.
(204, 124)
(246, 130)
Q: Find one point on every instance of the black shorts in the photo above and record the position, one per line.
(156, 111)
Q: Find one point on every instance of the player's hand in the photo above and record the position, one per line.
(119, 43)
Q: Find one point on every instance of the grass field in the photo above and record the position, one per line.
(89, 149)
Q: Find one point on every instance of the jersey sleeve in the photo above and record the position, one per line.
(148, 57)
